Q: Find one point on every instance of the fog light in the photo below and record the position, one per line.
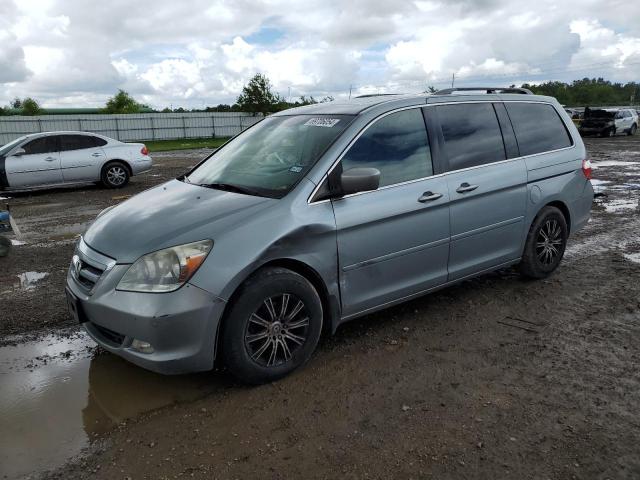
(142, 347)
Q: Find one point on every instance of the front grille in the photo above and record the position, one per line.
(88, 275)
(88, 266)
(108, 335)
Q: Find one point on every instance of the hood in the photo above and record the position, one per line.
(590, 113)
(170, 214)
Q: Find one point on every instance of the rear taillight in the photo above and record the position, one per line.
(586, 168)
(145, 150)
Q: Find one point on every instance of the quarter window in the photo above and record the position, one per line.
(471, 134)
(397, 145)
(538, 127)
(40, 145)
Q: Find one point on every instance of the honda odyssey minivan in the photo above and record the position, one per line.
(321, 214)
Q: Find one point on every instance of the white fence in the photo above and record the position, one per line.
(143, 126)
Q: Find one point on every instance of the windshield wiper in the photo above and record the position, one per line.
(228, 187)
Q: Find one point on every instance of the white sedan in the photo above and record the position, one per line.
(63, 158)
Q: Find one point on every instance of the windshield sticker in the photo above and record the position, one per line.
(295, 169)
(322, 122)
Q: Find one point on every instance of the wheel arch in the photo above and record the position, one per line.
(330, 308)
(117, 160)
(560, 205)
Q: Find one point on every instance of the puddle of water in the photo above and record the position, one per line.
(28, 280)
(620, 205)
(58, 393)
(633, 257)
(613, 163)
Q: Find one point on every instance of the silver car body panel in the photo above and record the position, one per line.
(363, 252)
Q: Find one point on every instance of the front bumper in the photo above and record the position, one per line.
(181, 326)
(593, 130)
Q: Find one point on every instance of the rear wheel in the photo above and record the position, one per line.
(273, 326)
(545, 245)
(115, 175)
(633, 129)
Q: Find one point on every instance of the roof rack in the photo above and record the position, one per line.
(448, 91)
(368, 95)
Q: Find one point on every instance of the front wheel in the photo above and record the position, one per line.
(272, 327)
(115, 175)
(545, 245)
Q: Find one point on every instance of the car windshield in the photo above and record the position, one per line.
(7, 148)
(270, 158)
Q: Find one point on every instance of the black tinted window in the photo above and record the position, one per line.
(397, 145)
(538, 127)
(471, 135)
(78, 142)
(41, 145)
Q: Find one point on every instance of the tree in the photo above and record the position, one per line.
(257, 96)
(30, 107)
(16, 103)
(122, 102)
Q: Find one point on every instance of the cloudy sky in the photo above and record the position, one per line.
(194, 52)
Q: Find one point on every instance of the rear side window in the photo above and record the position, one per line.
(79, 142)
(41, 145)
(397, 145)
(471, 134)
(538, 127)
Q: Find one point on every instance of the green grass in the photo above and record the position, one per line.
(166, 145)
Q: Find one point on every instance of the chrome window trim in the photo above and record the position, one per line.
(354, 139)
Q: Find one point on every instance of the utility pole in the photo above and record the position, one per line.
(350, 87)
(453, 79)
(289, 99)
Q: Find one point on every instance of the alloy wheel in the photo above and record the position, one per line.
(549, 242)
(116, 175)
(276, 330)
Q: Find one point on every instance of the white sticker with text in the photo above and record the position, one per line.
(322, 122)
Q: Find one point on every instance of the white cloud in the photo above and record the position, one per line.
(185, 53)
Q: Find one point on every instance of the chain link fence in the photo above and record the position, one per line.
(147, 126)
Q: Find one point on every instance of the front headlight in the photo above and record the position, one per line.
(165, 270)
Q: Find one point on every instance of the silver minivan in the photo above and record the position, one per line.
(321, 214)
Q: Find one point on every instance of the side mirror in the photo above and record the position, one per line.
(357, 180)
(19, 152)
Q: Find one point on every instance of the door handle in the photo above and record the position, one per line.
(429, 197)
(50, 159)
(96, 154)
(465, 187)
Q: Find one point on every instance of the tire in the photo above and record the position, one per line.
(265, 335)
(633, 129)
(5, 246)
(115, 175)
(610, 132)
(541, 256)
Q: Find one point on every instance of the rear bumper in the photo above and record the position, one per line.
(141, 165)
(581, 208)
(181, 326)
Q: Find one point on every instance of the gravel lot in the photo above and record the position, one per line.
(494, 378)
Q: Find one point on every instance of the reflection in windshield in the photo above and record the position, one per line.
(270, 158)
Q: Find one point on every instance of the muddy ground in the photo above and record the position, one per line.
(494, 378)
